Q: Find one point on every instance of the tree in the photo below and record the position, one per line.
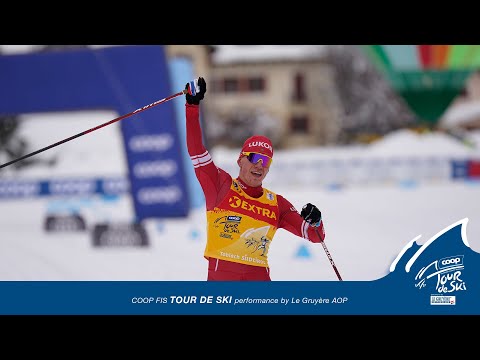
(370, 106)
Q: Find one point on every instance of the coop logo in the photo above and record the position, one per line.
(159, 195)
(72, 187)
(446, 275)
(148, 169)
(227, 219)
(14, 189)
(143, 143)
(115, 186)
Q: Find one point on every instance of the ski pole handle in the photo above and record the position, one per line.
(193, 87)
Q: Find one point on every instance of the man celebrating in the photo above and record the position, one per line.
(242, 216)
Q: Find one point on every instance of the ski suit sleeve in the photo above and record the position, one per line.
(293, 222)
(214, 181)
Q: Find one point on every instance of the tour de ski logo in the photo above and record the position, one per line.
(445, 275)
(229, 225)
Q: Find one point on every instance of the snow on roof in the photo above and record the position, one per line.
(248, 53)
(460, 113)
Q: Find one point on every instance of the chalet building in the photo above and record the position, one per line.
(286, 92)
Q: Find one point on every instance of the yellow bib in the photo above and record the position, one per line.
(241, 228)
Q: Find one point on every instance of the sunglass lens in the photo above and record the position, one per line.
(255, 158)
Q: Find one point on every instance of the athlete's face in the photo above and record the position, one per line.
(252, 174)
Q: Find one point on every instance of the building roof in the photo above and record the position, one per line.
(229, 54)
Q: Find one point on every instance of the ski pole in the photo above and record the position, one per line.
(329, 257)
(158, 102)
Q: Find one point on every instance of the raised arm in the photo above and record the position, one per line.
(211, 178)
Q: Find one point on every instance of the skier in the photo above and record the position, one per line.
(242, 216)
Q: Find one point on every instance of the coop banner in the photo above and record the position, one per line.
(122, 78)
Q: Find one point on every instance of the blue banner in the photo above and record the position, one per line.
(124, 78)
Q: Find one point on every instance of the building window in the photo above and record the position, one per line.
(237, 85)
(299, 124)
(230, 85)
(256, 84)
(299, 94)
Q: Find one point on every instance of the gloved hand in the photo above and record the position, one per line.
(311, 214)
(202, 89)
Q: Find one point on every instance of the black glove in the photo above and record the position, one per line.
(202, 89)
(311, 214)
